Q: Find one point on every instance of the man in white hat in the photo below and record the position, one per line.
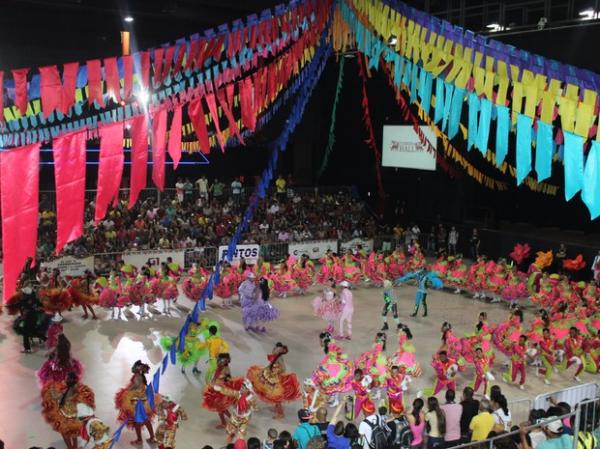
(347, 311)
(555, 437)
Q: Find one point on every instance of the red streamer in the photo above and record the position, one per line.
(50, 90)
(212, 107)
(127, 76)
(226, 103)
(159, 143)
(95, 82)
(145, 63)
(139, 157)
(196, 113)
(69, 85)
(20, 78)
(69, 175)
(158, 62)
(174, 146)
(110, 169)
(111, 75)
(1, 96)
(19, 187)
(247, 103)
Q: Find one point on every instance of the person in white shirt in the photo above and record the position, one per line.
(202, 185)
(236, 191)
(347, 311)
(283, 236)
(108, 224)
(274, 208)
(452, 241)
(179, 189)
(365, 428)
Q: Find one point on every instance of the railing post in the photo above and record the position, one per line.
(576, 425)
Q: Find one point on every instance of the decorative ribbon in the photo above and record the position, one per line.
(331, 137)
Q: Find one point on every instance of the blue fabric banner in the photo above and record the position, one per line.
(140, 413)
(483, 130)
(502, 127)
(523, 147)
(425, 91)
(455, 111)
(472, 123)
(543, 151)
(573, 160)
(590, 194)
(449, 90)
(439, 100)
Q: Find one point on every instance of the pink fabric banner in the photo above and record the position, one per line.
(111, 76)
(69, 175)
(196, 113)
(174, 146)
(159, 143)
(139, 157)
(212, 107)
(20, 78)
(94, 68)
(69, 85)
(19, 186)
(110, 169)
(50, 89)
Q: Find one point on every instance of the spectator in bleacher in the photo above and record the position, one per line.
(305, 430)
(236, 192)
(453, 412)
(218, 188)
(188, 191)
(560, 257)
(474, 244)
(436, 423)
(537, 435)
(501, 413)
(452, 241)
(179, 190)
(441, 236)
(280, 185)
(203, 187)
(470, 408)
(555, 439)
(482, 424)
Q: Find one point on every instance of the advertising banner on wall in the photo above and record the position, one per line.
(403, 148)
(248, 252)
(70, 266)
(353, 244)
(314, 250)
(139, 258)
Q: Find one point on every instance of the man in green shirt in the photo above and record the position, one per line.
(305, 431)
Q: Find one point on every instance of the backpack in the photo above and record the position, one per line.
(380, 435)
(403, 435)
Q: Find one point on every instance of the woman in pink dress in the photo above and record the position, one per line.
(60, 364)
(396, 263)
(303, 272)
(283, 282)
(327, 306)
(352, 267)
(405, 356)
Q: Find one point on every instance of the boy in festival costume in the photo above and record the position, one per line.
(396, 384)
(547, 355)
(312, 398)
(390, 303)
(482, 372)
(245, 403)
(446, 370)
(272, 383)
(216, 401)
(361, 385)
(170, 415)
(574, 352)
(60, 401)
(216, 345)
(327, 307)
(517, 362)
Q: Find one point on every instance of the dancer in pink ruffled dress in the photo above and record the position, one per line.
(327, 306)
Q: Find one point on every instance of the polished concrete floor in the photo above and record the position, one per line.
(108, 348)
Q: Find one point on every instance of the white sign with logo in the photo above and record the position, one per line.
(139, 258)
(403, 148)
(70, 266)
(248, 252)
(353, 244)
(314, 250)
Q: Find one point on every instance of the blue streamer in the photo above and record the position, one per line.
(483, 130)
(455, 111)
(590, 193)
(140, 416)
(523, 147)
(156, 381)
(502, 128)
(413, 83)
(472, 123)
(150, 395)
(543, 151)
(173, 353)
(426, 91)
(439, 100)
(573, 158)
(449, 90)
(165, 363)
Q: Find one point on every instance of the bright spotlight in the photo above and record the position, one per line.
(143, 96)
(128, 19)
(589, 14)
(493, 27)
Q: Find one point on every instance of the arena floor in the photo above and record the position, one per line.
(108, 349)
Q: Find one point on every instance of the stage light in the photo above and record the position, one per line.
(589, 14)
(128, 19)
(143, 96)
(393, 40)
(493, 27)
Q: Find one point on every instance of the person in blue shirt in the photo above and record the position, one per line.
(336, 431)
(305, 430)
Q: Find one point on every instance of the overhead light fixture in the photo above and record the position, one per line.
(589, 14)
(393, 40)
(128, 19)
(493, 27)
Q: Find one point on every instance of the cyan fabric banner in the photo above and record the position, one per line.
(425, 91)
(543, 151)
(439, 99)
(449, 90)
(590, 194)
(573, 160)
(523, 147)
(483, 129)
(455, 111)
(472, 122)
(502, 127)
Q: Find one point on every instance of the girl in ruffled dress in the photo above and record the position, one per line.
(327, 307)
(60, 363)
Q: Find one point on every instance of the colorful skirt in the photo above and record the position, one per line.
(274, 388)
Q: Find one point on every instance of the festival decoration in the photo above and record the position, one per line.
(331, 136)
(543, 259)
(520, 252)
(576, 264)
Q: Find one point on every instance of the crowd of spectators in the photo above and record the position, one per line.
(205, 214)
(429, 424)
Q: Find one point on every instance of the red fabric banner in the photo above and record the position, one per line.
(50, 89)
(179, 62)
(139, 157)
(196, 113)
(1, 96)
(191, 59)
(95, 82)
(110, 169)
(212, 107)
(174, 146)
(247, 103)
(68, 151)
(20, 78)
(159, 143)
(19, 187)
(158, 63)
(202, 54)
(226, 103)
(69, 85)
(168, 62)
(145, 63)
(111, 75)
(127, 76)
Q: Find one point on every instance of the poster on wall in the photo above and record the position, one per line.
(248, 252)
(367, 245)
(70, 266)
(139, 258)
(403, 149)
(314, 250)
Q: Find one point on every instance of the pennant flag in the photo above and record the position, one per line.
(523, 147)
(590, 193)
(94, 70)
(110, 168)
(573, 160)
(127, 76)
(20, 79)
(69, 86)
(483, 130)
(174, 146)
(439, 100)
(145, 69)
(247, 103)
(473, 112)
(502, 127)
(140, 416)
(165, 363)
(196, 113)
(543, 150)
(139, 157)
(68, 151)
(448, 101)
(212, 107)
(173, 353)
(195, 311)
(159, 142)
(150, 395)
(111, 75)
(156, 381)
(50, 90)
(19, 187)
